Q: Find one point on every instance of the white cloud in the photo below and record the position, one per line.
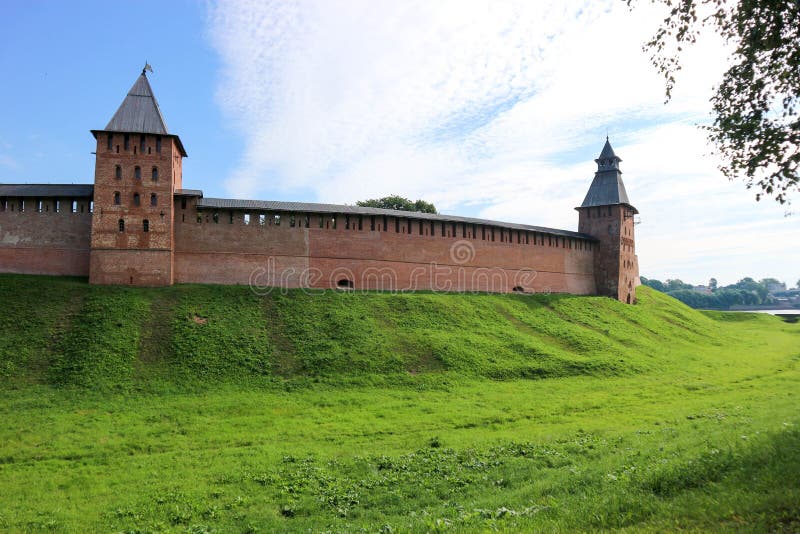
(494, 107)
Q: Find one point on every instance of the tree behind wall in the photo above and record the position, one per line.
(396, 202)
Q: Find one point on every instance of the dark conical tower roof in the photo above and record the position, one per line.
(607, 188)
(139, 112)
(608, 152)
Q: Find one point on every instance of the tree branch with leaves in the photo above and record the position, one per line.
(756, 127)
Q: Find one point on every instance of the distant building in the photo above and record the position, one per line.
(702, 289)
(776, 287)
(137, 225)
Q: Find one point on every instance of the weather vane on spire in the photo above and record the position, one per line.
(147, 67)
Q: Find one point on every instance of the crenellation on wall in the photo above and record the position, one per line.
(41, 240)
(270, 243)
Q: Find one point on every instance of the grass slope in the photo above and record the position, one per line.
(63, 332)
(202, 408)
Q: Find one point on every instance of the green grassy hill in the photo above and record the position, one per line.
(66, 333)
(213, 409)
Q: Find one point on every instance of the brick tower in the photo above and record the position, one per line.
(607, 215)
(137, 170)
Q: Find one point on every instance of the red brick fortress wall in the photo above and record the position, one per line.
(326, 251)
(41, 240)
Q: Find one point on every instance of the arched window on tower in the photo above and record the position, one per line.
(155, 174)
(118, 172)
(117, 200)
(137, 172)
(146, 225)
(153, 199)
(136, 200)
(110, 141)
(121, 225)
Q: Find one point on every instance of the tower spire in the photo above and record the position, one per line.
(607, 160)
(607, 188)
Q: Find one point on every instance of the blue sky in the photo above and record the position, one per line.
(494, 109)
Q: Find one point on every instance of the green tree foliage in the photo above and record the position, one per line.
(772, 282)
(756, 128)
(396, 202)
(658, 285)
(677, 284)
(745, 292)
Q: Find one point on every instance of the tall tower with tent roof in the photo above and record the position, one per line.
(607, 214)
(138, 167)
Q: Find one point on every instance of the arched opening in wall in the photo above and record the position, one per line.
(518, 289)
(141, 143)
(118, 172)
(629, 298)
(110, 141)
(154, 202)
(121, 224)
(137, 172)
(146, 225)
(154, 174)
(136, 200)
(345, 283)
(117, 198)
